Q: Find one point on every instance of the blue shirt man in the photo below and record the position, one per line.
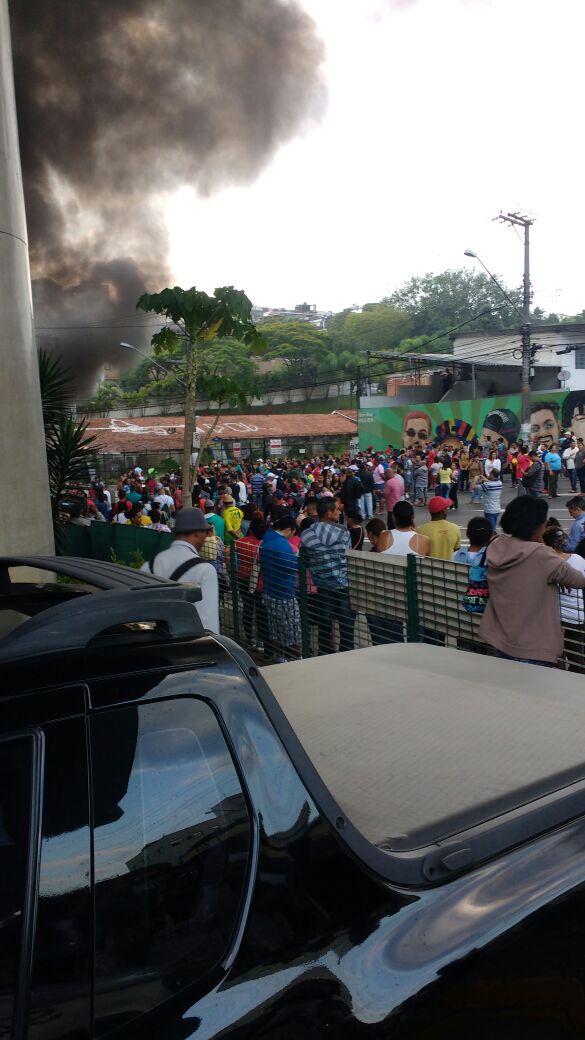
(278, 561)
(576, 507)
(552, 459)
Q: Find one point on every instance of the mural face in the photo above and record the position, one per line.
(544, 425)
(501, 422)
(416, 429)
(574, 413)
(450, 423)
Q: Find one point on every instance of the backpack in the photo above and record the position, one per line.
(477, 593)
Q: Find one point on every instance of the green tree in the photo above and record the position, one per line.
(106, 398)
(197, 319)
(233, 360)
(438, 303)
(379, 326)
(149, 372)
(227, 376)
(136, 399)
(299, 345)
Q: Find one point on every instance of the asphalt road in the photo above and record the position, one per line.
(461, 516)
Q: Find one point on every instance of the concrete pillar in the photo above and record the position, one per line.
(26, 526)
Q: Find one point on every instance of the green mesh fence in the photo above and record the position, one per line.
(317, 604)
(381, 599)
(371, 598)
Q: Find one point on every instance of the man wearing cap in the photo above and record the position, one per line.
(444, 537)
(214, 519)
(232, 517)
(182, 563)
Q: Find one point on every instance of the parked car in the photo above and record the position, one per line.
(386, 843)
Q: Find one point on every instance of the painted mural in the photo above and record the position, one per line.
(450, 422)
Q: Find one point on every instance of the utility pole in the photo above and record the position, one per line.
(524, 222)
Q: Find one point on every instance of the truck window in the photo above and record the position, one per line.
(171, 842)
(16, 790)
(61, 976)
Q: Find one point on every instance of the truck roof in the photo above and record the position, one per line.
(432, 752)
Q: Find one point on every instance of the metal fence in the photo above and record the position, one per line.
(387, 599)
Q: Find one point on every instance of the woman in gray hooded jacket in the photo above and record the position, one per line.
(522, 619)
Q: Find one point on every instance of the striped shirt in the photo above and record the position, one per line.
(326, 546)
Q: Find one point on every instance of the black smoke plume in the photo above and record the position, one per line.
(120, 102)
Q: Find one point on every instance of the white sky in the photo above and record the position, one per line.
(441, 113)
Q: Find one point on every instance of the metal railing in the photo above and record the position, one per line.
(385, 599)
(388, 599)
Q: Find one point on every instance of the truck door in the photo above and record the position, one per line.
(172, 841)
(45, 892)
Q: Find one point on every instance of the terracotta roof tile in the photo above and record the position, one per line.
(165, 433)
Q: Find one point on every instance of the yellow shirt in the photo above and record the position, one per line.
(444, 537)
(233, 521)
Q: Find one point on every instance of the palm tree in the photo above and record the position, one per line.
(197, 319)
(69, 447)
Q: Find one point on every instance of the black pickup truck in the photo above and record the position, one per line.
(386, 843)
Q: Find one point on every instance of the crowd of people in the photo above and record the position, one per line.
(264, 512)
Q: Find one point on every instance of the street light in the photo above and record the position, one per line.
(130, 346)
(474, 256)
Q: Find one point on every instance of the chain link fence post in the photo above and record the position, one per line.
(412, 622)
(234, 593)
(304, 605)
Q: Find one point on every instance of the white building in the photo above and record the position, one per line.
(559, 356)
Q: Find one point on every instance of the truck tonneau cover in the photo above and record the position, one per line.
(418, 743)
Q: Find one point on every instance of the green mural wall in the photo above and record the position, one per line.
(450, 422)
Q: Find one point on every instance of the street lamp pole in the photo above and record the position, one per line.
(524, 315)
(524, 222)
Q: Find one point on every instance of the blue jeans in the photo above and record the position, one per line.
(524, 660)
(365, 505)
(384, 630)
(444, 490)
(493, 519)
(334, 604)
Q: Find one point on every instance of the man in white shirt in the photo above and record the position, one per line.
(243, 492)
(569, 460)
(182, 563)
(164, 501)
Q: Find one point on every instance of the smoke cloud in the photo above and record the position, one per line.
(120, 102)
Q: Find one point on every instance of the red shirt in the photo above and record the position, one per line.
(524, 463)
(246, 553)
